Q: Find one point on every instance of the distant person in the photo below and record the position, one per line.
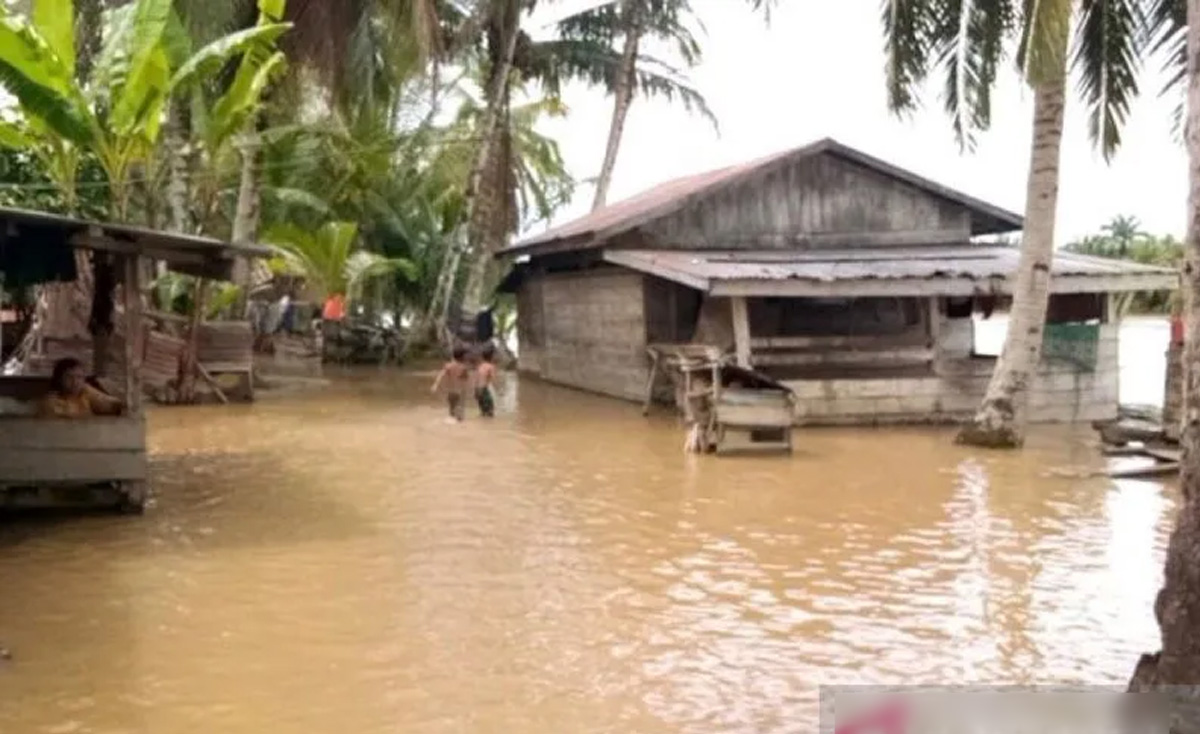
(457, 377)
(485, 382)
(71, 396)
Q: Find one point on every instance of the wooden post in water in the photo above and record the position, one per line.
(133, 334)
(741, 330)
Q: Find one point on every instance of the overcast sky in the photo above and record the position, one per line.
(817, 71)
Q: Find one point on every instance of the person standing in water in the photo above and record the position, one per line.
(485, 381)
(457, 378)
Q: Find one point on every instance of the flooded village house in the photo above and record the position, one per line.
(855, 283)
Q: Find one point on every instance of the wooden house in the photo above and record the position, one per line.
(54, 461)
(852, 281)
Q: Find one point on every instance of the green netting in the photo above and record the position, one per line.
(1075, 344)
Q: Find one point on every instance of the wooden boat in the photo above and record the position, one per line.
(95, 460)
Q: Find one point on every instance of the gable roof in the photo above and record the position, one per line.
(672, 196)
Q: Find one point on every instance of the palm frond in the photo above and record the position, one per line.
(969, 43)
(908, 27)
(1107, 53)
(1046, 29)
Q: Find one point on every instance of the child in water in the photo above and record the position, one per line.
(457, 377)
(485, 380)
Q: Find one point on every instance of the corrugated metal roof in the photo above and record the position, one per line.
(664, 199)
(973, 263)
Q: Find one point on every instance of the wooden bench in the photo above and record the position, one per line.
(227, 348)
(754, 420)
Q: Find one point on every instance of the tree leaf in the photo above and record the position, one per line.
(55, 22)
(143, 79)
(212, 58)
(36, 77)
(1107, 62)
(272, 9)
(12, 136)
(245, 94)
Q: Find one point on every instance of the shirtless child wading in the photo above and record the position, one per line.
(457, 377)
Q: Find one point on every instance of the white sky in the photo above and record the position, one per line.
(816, 72)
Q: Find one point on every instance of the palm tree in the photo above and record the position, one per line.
(968, 41)
(583, 51)
(634, 21)
(328, 260)
(1124, 232)
(1175, 26)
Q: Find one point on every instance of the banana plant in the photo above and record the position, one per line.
(217, 121)
(116, 114)
(328, 261)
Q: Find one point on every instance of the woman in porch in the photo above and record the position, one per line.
(71, 396)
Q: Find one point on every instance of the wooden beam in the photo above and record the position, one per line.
(883, 238)
(914, 287)
(99, 433)
(933, 321)
(212, 382)
(650, 382)
(34, 466)
(133, 334)
(881, 357)
(912, 338)
(741, 330)
(173, 318)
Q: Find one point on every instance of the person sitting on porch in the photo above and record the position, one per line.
(71, 396)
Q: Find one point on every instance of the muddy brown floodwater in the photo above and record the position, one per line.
(344, 561)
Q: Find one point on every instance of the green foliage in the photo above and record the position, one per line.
(329, 260)
(1122, 239)
(968, 42)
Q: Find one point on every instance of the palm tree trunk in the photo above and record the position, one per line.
(1177, 607)
(177, 181)
(245, 220)
(622, 99)
(1000, 420)
(483, 206)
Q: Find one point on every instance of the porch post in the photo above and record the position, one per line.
(133, 334)
(741, 330)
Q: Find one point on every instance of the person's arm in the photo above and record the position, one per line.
(437, 381)
(102, 404)
(45, 407)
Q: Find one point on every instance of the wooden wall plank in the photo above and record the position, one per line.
(37, 466)
(20, 433)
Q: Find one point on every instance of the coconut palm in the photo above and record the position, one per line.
(968, 42)
(635, 72)
(328, 261)
(1175, 26)
(1124, 231)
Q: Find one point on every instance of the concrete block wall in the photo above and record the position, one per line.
(1060, 393)
(594, 332)
(531, 328)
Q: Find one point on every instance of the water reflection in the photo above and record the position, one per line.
(346, 561)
